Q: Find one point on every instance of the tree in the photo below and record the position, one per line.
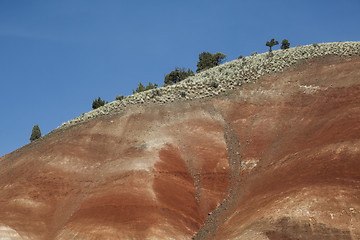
(151, 86)
(36, 133)
(208, 60)
(271, 43)
(285, 44)
(98, 103)
(142, 88)
(178, 75)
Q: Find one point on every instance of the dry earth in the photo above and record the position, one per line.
(278, 159)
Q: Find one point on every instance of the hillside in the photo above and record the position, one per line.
(272, 152)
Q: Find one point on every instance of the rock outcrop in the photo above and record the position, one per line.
(272, 153)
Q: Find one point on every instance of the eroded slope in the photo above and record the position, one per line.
(278, 159)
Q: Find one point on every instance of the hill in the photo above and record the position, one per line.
(271, 151)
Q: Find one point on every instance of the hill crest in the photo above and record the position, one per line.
(227, 76)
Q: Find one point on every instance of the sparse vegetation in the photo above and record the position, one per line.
(240, 57)
(98, 103)
(142, 88)
(271, 44)
(36, 133)
(208, 60)
(151, 86)
(285, 44)
(178, 75)
(246, 71)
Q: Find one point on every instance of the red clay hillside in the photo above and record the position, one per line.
(272, 151)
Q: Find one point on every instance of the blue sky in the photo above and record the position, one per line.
(57, 56)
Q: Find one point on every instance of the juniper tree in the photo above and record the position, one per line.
(98, 103)
(151, 86)
(178, 75)
(142, 88)
(271, 43)
(285, 44)
(208, 60)
(36, 133)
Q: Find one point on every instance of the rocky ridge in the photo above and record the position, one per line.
(225, 77)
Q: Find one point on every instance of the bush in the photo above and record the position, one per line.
(178, 75)
(285, 44)
(119, 97)
(142, 88)
(254, 54)
(155, 93)
(36, 133)
(271, 43)
(240, 57)
(183, 94)
(208, 60)
(214, 84)
(98, 103)
(151, 86)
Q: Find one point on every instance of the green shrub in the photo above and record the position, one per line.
(240, 57)
(119, 97)
(285, 44)
(208, 60)
(214, 84)
(177, 75)
(151, 86)
(315, 45)
(142, 88)
(183, 94)
(36, 133)
(155, 93)
(98, 103)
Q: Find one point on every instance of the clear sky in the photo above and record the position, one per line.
(57, 56)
